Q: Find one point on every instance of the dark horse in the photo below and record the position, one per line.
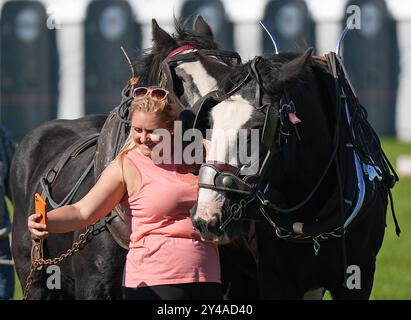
(95, 271)
(317, 200)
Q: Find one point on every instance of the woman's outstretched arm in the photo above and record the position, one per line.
(98, 202)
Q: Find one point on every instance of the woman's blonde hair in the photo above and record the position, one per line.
(167, 110)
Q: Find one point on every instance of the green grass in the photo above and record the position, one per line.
(18, 292)
(17, 288)
(393, 274)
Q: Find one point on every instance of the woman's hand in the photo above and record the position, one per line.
(37, 230)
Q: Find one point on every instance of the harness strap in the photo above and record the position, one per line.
(179, 50)
(194, 56)
(390, 176)
(73, 151)
(394, 217)
(70, 195)
(257, 78)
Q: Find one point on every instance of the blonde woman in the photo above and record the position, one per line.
(167, 259)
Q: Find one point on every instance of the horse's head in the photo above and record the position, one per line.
(258, 108)
(173, 62)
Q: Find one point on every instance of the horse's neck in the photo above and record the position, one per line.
(305, 159)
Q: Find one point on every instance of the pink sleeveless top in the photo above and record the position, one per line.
(164, 247)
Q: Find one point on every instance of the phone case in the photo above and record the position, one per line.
(40, 207)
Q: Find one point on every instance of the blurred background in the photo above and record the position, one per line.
(62, 59)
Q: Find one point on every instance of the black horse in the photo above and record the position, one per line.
(317, 199)
(95, 271)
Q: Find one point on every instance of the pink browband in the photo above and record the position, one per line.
(179, 50)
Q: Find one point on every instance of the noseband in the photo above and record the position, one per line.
(224, 177)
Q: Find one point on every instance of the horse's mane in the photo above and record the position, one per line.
(269, 71)
(148, 65)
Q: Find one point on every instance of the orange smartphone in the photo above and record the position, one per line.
(40, 207)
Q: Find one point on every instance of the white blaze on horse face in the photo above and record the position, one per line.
(228, 117)
(209, 204)
(204, 82)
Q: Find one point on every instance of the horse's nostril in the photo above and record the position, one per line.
(199, 224)
(214, 219)
(208, 228)
(213, 224)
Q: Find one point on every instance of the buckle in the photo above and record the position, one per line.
(53, 174)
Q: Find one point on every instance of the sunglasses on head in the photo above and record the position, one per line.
(158, 94)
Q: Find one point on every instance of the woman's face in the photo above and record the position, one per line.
(143, 125)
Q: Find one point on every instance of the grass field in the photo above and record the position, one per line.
(393, 275)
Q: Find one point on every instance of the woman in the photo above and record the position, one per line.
(167, 259)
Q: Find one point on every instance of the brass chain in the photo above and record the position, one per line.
(29, 281)
(77, 246)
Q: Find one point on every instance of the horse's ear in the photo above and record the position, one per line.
(216, 69)
(160, 37)
(293, 69)
(202, 28)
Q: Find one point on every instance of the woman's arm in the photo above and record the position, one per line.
(98, 202)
